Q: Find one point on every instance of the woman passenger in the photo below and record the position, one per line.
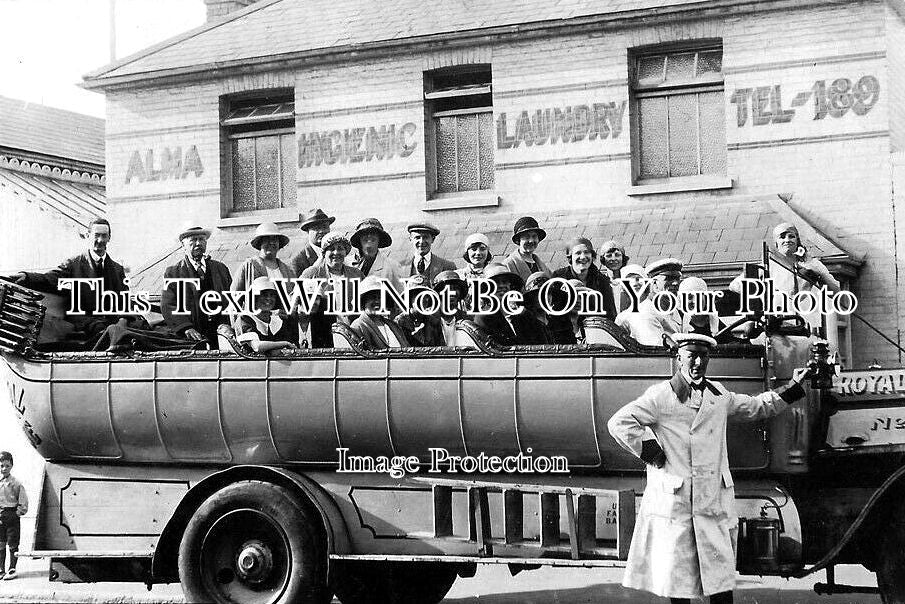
(580, 255)
(374, 324)
(614, 259)
(268, 240)
(477, 256)
(526, 234)
(269, 327)
(331, 268)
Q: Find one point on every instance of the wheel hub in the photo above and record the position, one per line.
(254, 562)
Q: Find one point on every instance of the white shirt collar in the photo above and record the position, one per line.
(94, 257)
(270, 328)
(691, 381)
(316, 249)
(427, 259)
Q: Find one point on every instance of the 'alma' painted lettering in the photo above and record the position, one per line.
(569, 125)
(356, 144)
(171, 164)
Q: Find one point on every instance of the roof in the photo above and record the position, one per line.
(280, 30)
(51, 132)
(710, 236)
(78, 202)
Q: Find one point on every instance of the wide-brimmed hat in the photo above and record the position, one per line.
(262, 284)
(191, 231)
(425, 227)
(369, 285)
(334, 237)
(313, 217)
(525, 224)
(450, 279)
(612, 244)
(268, 229)
(497, 270)
(477, 238)
(664, 265)
(370, 225)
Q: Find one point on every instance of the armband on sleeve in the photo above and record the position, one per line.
(791, 393)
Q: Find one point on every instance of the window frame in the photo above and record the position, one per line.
(436, 199)
(666, 89)
(276, 125)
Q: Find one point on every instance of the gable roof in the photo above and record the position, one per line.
(281, 30)
(51, 132)
(712, 236)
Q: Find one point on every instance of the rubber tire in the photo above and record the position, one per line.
(393, 582)
(308, 549)
(890, 563)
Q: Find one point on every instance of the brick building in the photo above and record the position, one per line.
(684, 127)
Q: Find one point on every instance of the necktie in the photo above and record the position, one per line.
(99, 268)
(199, 268)
(421, 266)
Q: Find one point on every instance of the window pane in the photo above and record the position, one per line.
(652, 134)
(650, 70)
(683, 135)
(267, 164)
(486, 144)
(713, 133)
(710, 62)
(446, 154)
(288, 151)
(467, 126)
(243, 151)
(680, 67)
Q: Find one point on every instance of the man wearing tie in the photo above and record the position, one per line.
(213, 275)
(94, 263)
(422, 261)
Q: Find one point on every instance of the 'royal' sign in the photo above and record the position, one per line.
(877, 381)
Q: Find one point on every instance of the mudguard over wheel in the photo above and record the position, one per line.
(393, 582)
(253, 542)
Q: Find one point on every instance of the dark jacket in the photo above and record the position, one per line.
(369, 329)
(289, 331)
(217, 278)
(81, 267)
(421, 331)
(305, 258)
(320, 322)
(561, 326)
(437, 266)
(525, 329)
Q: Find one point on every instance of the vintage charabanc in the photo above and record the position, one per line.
(222, 469)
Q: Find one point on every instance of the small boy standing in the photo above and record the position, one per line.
(13, 504)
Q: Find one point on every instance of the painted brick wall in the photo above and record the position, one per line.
(836, 166)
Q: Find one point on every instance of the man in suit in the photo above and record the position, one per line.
(422, 261)
(316, 224)
(94, 263)
(509, 329)
(213, 275)
(368, 239)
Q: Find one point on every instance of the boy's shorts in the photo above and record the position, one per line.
(9, 527)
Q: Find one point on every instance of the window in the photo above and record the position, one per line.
(261, 149)
(679, 114)
(460, 130)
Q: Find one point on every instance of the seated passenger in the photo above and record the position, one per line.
(509, 329)
(580, 255)
(458, 288)
(268, 240)
(269, 328)
(533, 308)
(94, 263)
(692, 322)
(640, 326)
(477, 256)
(420, 329)
(374, 324)
(647, 325)
(367, 240)
(526, 234)
(331, 269)
(614, 259)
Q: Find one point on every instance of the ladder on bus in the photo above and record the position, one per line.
(539, 521)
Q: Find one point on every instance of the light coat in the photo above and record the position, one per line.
(685, 535)
(515, 263)
(382, 268)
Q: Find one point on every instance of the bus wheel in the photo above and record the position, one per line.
(393, 582)
(253, 542)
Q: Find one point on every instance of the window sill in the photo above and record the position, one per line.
(678, 185)
(468, 199)
(277, 216)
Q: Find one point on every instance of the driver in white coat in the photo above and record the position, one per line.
(684, 542)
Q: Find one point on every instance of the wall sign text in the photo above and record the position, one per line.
(568, 125)
(356, 144)
(828, 98)
(169, 163)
